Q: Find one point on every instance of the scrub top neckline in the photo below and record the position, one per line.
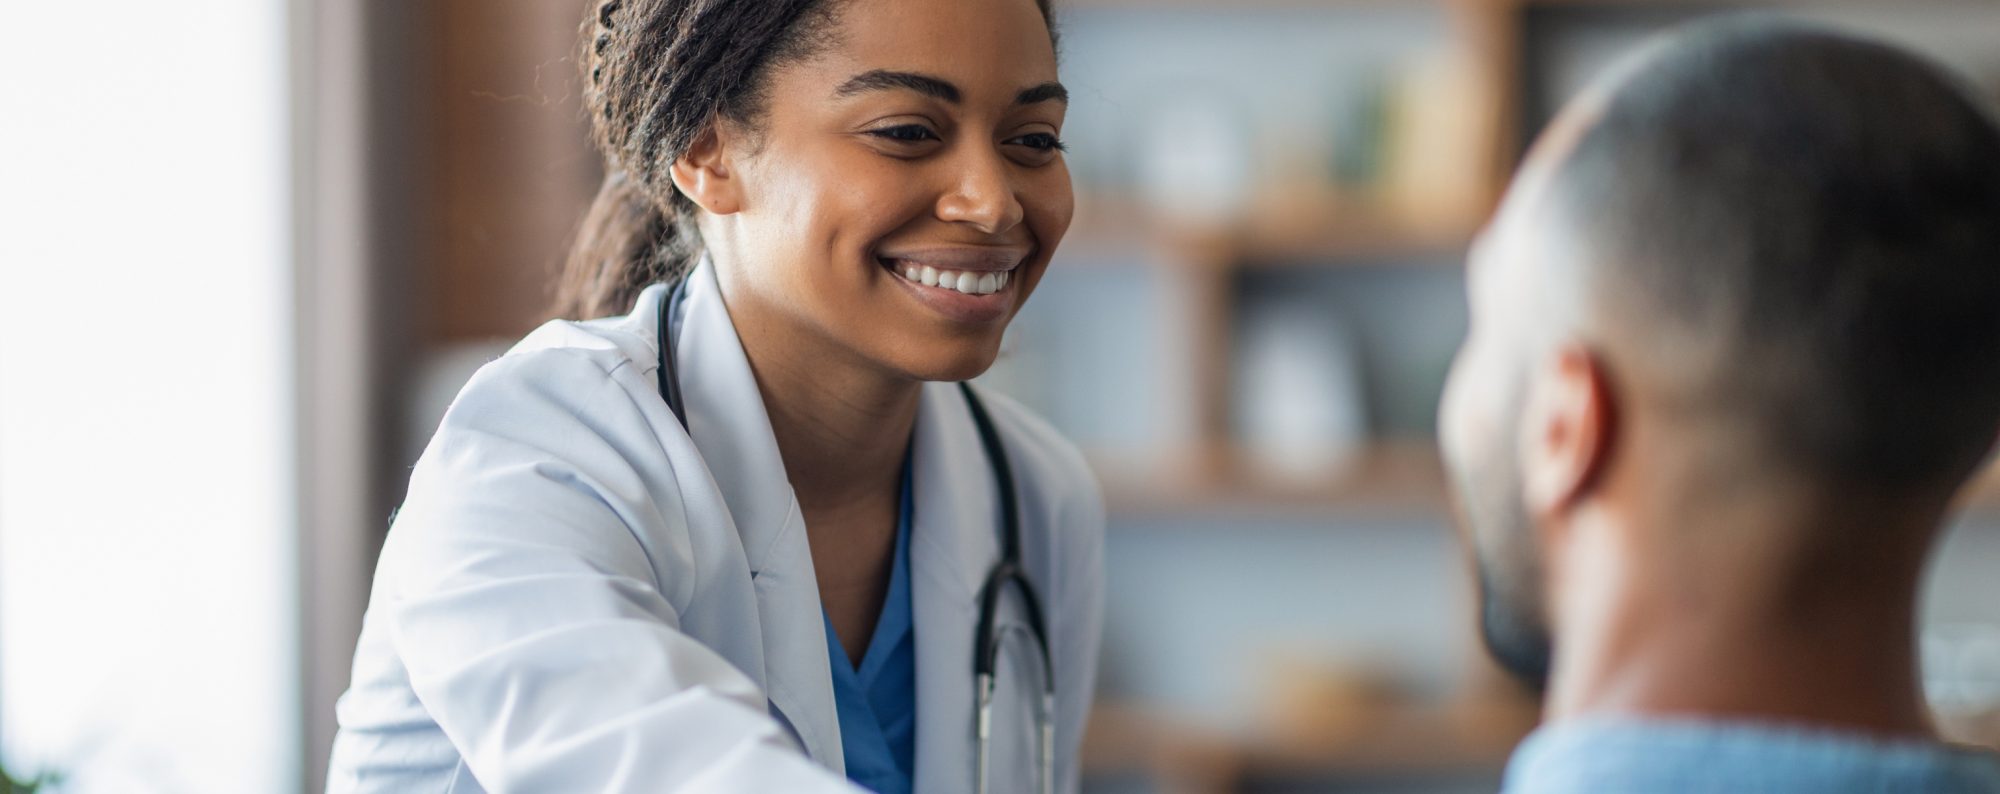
(893, 622)
(875, 703)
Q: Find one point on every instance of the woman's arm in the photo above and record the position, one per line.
(528, 611)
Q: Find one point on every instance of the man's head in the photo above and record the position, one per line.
(1772, 249)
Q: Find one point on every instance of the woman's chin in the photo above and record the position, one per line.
(951, 362)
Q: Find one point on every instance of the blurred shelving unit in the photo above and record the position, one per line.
(1396, 170)
(1381, 746)
(1501, 66)
(1489, 73)
(1367, 195)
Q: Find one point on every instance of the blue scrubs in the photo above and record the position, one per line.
(877, 704)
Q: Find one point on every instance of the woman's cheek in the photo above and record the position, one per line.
(1051, 204)
(877, 198)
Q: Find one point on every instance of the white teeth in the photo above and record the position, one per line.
(968, 282)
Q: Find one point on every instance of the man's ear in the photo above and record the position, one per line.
(705, 174)
(1569, 425)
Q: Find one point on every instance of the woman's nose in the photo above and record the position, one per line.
(983, 195)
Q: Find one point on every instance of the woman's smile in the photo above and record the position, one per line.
(965, 284)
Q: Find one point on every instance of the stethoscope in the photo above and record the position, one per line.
(991, 635)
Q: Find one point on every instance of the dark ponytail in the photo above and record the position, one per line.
(656, 74)
(624, 244)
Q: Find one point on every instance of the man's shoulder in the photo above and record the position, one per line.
(1639, 755)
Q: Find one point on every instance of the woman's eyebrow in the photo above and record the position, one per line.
(1047, 92)
(939, 88)
(884, 80)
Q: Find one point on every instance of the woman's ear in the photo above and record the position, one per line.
(1570, 421)
(705, 174)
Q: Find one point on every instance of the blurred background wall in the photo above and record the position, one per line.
(1247, 329)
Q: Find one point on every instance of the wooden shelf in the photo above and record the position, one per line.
(1357, 240)
(1391, 478)
(1404, 740)
(1324, 233)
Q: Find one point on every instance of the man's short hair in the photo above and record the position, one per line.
(1818, 217)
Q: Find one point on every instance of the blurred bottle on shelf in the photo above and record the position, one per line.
(1300, 402)
(1433, 176)
(1195, 162)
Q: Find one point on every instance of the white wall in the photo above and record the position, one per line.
(148, 607)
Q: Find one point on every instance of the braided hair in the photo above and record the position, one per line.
(657, 73)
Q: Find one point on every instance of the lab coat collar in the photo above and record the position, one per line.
(726, 417)
(727, 420)
(960, 535)
(955, 540)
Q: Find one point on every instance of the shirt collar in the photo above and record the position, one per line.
(1640, 754)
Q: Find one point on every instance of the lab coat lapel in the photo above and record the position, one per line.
(726, 417)
(955, 541)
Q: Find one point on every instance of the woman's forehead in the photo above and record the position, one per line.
(982, 47)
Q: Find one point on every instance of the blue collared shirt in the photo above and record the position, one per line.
(1639, 756)
(877, 703)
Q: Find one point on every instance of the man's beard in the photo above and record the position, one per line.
(1512, 626)
(1512, 615)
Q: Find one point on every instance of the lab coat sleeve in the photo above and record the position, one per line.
(1079, 619)
(527, 603)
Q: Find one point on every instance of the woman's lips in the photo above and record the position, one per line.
(962, 295)
(960, 258)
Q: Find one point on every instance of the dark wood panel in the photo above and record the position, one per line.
(512, 165)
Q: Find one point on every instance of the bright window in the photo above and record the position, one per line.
(148, 599)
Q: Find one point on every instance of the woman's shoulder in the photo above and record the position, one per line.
(558, 440)
(611, 343)
(568, 358)
(561, 380)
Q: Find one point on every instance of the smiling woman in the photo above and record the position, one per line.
(737, 515)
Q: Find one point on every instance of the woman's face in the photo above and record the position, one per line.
(904, 189)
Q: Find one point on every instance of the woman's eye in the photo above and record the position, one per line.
(1042, 142)
(905, 133)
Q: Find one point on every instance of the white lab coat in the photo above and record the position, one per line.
(577, 596)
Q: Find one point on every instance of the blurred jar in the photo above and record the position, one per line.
(1300, 405)
(1195, 166)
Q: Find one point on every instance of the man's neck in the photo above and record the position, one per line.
(1738, 625)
